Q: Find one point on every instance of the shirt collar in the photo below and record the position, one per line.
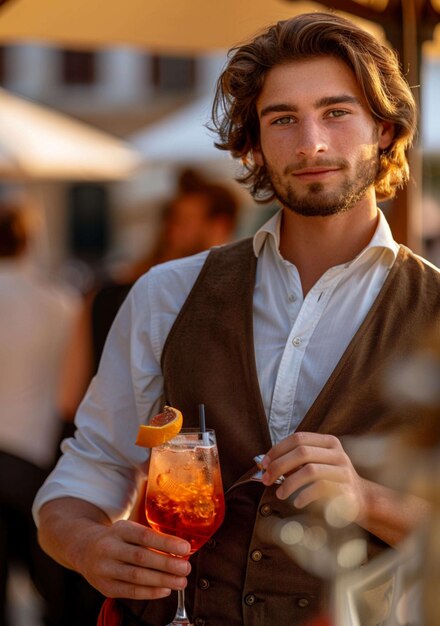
(269, 230)
(382, 237)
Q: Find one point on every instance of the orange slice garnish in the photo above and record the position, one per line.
(161, 428)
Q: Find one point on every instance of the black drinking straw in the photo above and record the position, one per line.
(202, 421)
(202, 424)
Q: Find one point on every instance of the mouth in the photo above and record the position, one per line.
(313, 173)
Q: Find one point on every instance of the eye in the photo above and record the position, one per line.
(337, 113)
(283, 121)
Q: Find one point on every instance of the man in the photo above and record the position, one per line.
(285, 339)
(202, 213)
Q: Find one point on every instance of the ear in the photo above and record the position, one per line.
(386, 134)
(257, 155)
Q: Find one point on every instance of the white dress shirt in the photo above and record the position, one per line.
(298, 342)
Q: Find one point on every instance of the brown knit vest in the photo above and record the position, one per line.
(241, 577)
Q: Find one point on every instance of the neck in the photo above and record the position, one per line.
(315, 244)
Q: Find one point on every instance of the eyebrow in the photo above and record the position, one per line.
(284, 107)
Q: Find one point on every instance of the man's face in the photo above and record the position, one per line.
(319, 142)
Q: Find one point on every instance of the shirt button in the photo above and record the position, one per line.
(256, 555)
(303, 603)
(296, 341)
(292, 298)
(199, 621)
(265, 510)
(250, 599)
(211, 543)
(203, 584)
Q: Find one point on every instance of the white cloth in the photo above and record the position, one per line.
(36, 320)
(298, 342)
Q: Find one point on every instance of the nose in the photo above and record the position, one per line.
(310, 138)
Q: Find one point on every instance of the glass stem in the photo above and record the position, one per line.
(181, 616)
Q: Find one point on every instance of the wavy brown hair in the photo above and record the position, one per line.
(375, 66)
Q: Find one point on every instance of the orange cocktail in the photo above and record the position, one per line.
(185, 492)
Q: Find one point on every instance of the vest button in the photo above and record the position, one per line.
(211, 543)
(265, 510)
(199, 621)
(250, 599)
(303, 603)
(204, 583)
(256, 555)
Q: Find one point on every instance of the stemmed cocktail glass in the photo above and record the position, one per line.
(185, 493)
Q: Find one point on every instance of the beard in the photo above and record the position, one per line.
(317, 201)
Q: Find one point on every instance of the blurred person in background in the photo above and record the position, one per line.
(37, 319)
(202, 214)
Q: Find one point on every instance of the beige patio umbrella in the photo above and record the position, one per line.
(39, 143)
(174, 26)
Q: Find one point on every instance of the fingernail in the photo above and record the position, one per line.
(183, 567)
(184, 548)
(280, 494)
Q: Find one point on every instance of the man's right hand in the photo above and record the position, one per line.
(122, 560)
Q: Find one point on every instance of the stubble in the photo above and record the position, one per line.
(316, 200)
